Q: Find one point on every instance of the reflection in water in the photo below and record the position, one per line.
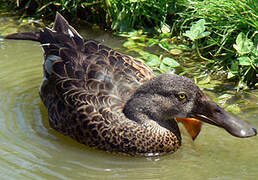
(31, 150)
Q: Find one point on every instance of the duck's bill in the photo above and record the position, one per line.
(211, 113)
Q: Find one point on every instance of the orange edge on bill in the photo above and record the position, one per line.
(192, 125)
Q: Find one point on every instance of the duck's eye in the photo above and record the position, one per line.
(181, 96)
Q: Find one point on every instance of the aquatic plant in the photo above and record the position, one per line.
(215, 29)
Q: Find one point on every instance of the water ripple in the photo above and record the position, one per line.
(30, 149)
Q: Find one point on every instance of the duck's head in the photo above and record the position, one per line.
(170, 95)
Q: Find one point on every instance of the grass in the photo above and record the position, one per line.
(233, 27)
(222, 32)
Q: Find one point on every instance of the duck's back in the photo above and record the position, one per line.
(86, 84)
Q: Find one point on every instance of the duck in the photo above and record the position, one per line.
(113, 102)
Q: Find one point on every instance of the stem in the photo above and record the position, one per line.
(199, 54)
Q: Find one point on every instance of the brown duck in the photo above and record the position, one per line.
(113, 102)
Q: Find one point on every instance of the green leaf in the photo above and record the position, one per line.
(255, 60)
(255, 51)
(130, 44)
(244, 61)
(165, 68)
(152, 60)
(234, 108)
(139, 38)
(170, 62)
(225, 97)
(235, 66)
(183, 47)
(204, 81)
(144, 54)
(207, 85)
(164, 45)
(152, 42)
(204, 34)
(230, 75)
(165, 28)
(243, 44)
(176, 52)
(197, 30)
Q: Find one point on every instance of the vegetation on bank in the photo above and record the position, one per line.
(222, 32)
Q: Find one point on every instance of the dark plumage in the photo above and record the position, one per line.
(113, 102)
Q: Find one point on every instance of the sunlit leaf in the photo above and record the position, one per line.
(207, 85)
(139, 38)
(176, 52)
(255, 60)
(164, 67)
(225, 96)
(183, 47)
(197, 30)
(144, 54)
(244, 61)
(130, 44)
(234, 108)
(243, 44)
(170, 62)
(205, 80)
(152, 42)
(164, 45)
(255, 51)
(152, 60)
(165, 28)
(230, 75)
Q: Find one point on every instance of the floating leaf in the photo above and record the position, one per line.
(225, 96)
(152, 60)
(183, 47)
(223, 99)
(176, 52)
(144, 54)
(234, 108)
(164, 67)
(152, 42)
(130, 44)
(207, 86)
(205, 80)
(139, 38)
(164, 45)
(170, 62)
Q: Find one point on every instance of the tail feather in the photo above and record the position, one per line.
(61, 25)
(55, 41)
(61, 32)
(33, 36)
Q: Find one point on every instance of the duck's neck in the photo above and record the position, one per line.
(152, 111)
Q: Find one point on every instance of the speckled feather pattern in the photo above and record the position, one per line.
(90, 92)
(86, 92)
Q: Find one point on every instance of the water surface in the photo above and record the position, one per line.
(30, 149)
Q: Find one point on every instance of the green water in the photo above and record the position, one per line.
(30, 149)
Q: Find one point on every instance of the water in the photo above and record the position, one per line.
(30, 149)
